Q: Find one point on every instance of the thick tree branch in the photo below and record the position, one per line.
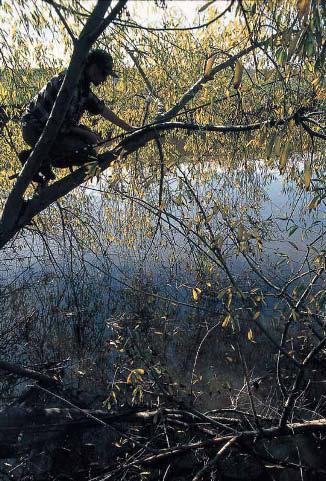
(129, 144)
(312, 132)
(191, 93)
(28, 373)
(92, 29)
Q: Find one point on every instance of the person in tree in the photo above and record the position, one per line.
(75, 142)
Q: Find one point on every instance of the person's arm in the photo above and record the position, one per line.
(97, 107)
(112, 117)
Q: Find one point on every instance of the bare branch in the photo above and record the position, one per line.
(28, 373)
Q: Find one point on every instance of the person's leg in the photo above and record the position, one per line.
(67, 150)
(71, 149)
(31, 133)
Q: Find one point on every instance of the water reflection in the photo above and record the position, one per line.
(124, 259)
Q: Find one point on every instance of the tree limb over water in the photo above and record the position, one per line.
(130, 143)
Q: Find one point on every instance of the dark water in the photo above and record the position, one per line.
(72, 293)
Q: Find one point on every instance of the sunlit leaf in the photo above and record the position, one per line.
(315, 81)
(303, 7)
(208, 67)
(135, 375)
(139, 371)
(226, 321)
(284, 155)
(195, 293)
(238, 70)
(307, 175)
(314, 203)
(250, 335)
(281, 56)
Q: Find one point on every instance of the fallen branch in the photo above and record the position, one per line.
(214, 461)
(292, 428)
(28, 373)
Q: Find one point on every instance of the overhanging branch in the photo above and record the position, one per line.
(129, 144)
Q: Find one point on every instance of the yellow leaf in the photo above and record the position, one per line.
(315, 81)
(284, 155)
(314, 203)
(229, 301)
(256, 315)
(307, 175)
(208, 67)
(226, 321)
(135, 373)
(303, 7)
(139, 371)
(238, 70)
(195, 293)
(250, 335)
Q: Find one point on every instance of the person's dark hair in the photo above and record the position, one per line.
(103, 60)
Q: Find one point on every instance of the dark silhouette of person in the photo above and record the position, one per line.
(75, 142)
